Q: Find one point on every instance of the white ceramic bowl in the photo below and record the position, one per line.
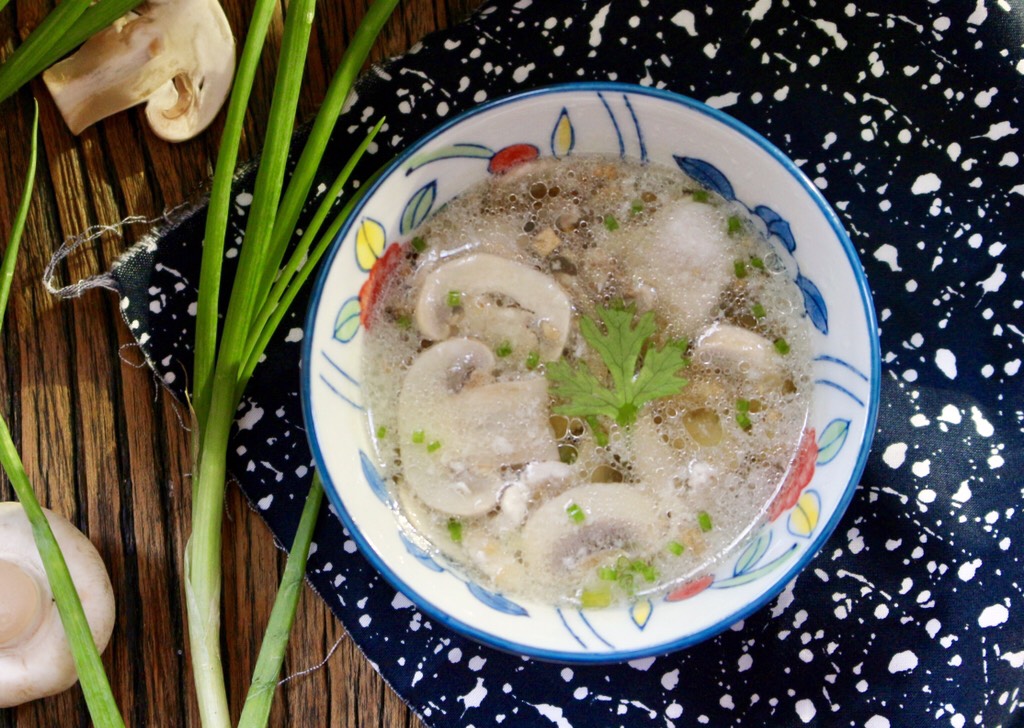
(644, 124)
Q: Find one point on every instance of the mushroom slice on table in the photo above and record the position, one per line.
(459, 428)
(176, 56)
(618, 518)
(496, 299)
(35, 660)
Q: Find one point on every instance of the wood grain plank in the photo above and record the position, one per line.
(108, 447)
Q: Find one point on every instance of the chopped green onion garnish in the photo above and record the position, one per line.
(704, 521)
(700, 196)
(735, 224)
(504, 349)
(594, 598)
(781, 346)
(454, 298)
(758, 310)
(382, 432)
(600, 436)
(742, 405)
(610, 223)
(676, 548)
(418, 244)
(648, 572)
(607, 573)
(418, 436)
(756, 262)
(532, 360)
(740, 269)
(743, 420)
(434, 446)
(455, 529)
(404, 321)
(576, 513)
(637, 207)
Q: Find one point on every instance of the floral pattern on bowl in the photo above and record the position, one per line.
(723, 155)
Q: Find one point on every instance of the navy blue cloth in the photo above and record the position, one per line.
(907, 116)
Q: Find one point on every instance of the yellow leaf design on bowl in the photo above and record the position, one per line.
(564, 137)
(370, 240)
(804, 517)
(641, 612)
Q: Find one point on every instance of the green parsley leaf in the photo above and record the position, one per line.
(704, 521)
(700, 196)
(419, 244)
(455, 530)
(621, 346)
(611, 223)
(576, 514)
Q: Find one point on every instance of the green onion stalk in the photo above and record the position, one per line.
(86, 656)
(266, 282)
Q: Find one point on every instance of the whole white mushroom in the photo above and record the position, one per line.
(35, 660)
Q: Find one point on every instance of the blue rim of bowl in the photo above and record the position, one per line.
(731, 618)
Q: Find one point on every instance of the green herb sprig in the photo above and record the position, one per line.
(638, 371)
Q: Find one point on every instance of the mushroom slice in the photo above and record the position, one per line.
(494, 289)
(741, 351)
(35, 660)
(618, 518)
(680, 265)
(460, 429)
(177, 56)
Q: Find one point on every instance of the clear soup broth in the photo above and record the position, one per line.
(586, 380)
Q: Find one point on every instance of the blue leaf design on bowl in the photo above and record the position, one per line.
(707, 174)
(814, 303)
(418, 208)
(496, 601)
(373, 479)
(420, 555)
(777, 226)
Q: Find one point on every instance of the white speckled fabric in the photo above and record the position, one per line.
(907, 116)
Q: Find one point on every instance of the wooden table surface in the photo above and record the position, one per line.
(105, 446)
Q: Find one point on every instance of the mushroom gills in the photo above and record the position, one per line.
(617, 519)
(494, 298)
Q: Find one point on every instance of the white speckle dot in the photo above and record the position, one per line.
(877, 721)
(881, 611)
(805, 710)
(264, 503)
(670, 679)
(895, 455)
(927, 495)
(926, 184)
(673, 711)
(476, 664)
(903, 662)
(745, 662)
(983, 426)
(945, 360)
(921, 468)
(567, 674)
(993, 616)
(580, 693)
